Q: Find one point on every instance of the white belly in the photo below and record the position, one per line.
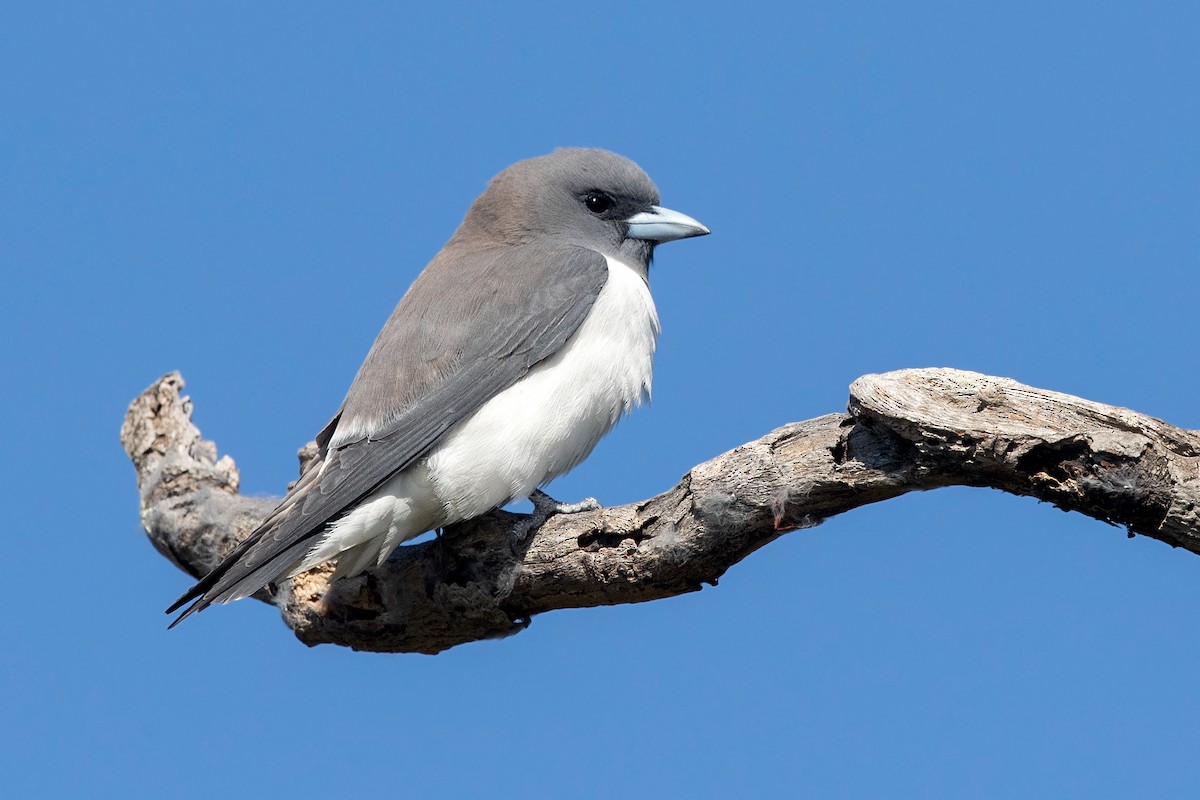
(523, 437)
(548, 422)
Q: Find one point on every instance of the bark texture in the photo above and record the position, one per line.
(904, 431)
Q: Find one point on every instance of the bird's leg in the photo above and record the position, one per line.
(544, 507)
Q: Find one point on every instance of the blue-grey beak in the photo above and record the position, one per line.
(663, 225)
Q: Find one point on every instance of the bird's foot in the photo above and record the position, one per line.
(544, 507)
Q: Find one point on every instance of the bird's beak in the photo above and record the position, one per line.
(663, 225)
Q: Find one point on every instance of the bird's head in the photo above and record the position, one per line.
(577, 196)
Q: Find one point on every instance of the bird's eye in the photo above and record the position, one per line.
(598, 203)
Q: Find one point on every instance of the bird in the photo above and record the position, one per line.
(517, 348)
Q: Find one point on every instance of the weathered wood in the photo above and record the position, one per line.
(905, 431)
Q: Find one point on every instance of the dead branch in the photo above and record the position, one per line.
(904, 431)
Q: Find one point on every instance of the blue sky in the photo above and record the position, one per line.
(242, 192)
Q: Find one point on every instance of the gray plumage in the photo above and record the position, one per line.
(507, 292)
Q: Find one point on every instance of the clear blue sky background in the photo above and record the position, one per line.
(243, 191)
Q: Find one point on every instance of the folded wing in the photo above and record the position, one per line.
(472, 325)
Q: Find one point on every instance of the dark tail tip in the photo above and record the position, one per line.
(196, 607)
(191, 610)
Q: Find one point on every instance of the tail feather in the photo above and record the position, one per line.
(210, 589)
(224, 583)
(290, 538)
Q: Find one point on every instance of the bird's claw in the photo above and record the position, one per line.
(544, 507)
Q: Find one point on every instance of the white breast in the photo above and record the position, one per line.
(549, 421)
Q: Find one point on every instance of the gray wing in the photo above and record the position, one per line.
(471, 326)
